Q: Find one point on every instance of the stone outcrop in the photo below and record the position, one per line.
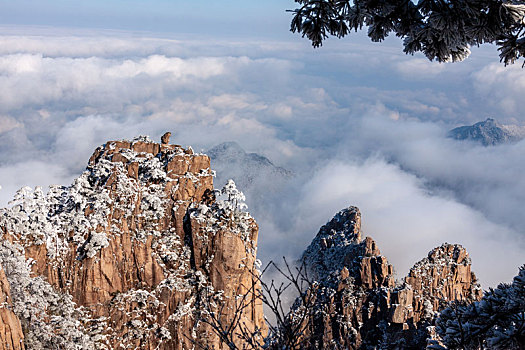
(443, 276)
(140, 243)
(165, 139)
(355, 301)
(11, 335)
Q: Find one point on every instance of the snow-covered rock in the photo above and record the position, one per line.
(128, 255)
(353, 300)
(489, 133)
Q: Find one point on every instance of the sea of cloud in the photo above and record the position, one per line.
(357, 123)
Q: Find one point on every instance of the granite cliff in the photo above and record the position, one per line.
(129, 255)
(11, 335)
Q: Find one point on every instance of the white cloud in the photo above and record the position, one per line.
(7, 123)
(106, 84)
(326, 115)
(503, 87)
(175, 67)
(229, 102)
(419, 68)
(487, 178)
(282, 110)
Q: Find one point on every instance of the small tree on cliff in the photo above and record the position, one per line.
(234, 198)
(443, 30)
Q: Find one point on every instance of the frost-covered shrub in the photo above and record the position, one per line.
(442, 30)
(95, 242)
(48, 219)
(234, 198)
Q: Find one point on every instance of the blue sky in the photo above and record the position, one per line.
(359, 123)
(232, 18)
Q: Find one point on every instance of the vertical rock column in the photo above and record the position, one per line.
(11, 335)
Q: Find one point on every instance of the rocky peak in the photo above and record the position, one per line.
(249, 170)
(339, 245)
(444, 275)
(231, 150)
(488, 132)
(139, 244)
(357, 303)
(326, 252)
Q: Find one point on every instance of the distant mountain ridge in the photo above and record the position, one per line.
(230, 160)
(488, 132)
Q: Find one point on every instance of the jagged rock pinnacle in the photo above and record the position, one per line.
(355, 301)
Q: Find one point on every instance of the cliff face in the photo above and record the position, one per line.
(11, 335)
(139, 248)
(356, 302)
